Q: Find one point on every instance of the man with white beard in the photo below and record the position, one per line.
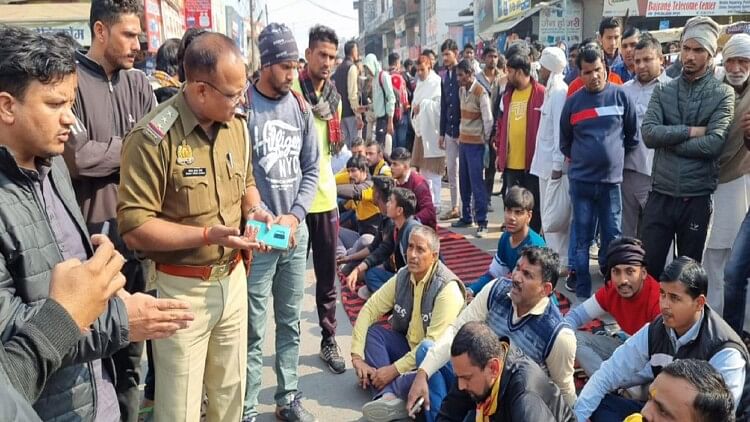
(547, 163)
(731, 196)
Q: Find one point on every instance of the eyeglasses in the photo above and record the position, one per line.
(234, 98)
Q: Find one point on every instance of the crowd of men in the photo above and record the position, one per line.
(131, 209)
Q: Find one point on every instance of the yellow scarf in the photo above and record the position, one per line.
(489, 407)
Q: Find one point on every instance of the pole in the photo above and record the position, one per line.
(252, 37)
(266, 14)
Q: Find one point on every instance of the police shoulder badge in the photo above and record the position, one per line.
(185, 154)
(158, 127)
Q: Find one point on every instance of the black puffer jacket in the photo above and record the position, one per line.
(526, 395)
(683, 166)
(28, 252)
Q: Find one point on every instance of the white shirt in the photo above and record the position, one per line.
(547, 155)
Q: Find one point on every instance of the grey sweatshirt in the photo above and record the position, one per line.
(285, 154)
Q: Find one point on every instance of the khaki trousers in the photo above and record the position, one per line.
(212, 352)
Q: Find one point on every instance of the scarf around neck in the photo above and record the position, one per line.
(325, 107)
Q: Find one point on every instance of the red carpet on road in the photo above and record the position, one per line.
(467, 261)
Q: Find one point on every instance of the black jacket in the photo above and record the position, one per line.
(30, 357)
(105, 110)
(526, 395)
(28, 252)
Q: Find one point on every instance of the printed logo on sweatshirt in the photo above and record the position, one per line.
(277, 150)
(593, 113)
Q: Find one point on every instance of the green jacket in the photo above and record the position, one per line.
(28, 252)
(684, 166)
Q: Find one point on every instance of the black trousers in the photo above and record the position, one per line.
(324, 231)
(531, 183)
(128, 360)
(666, 217)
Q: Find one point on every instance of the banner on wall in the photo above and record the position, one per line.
(78, 30)
(198, 14)
(505, 8)
(235, 27)
(665, 8)
(172, 20)
(484, 14)
(153, 25)
(556, 25)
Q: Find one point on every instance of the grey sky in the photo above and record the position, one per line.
(301, 15)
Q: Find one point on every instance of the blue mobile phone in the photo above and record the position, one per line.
(277, 237)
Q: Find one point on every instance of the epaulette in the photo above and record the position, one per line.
(158, 127)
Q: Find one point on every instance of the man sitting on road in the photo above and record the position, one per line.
(687, 328)
(519, 205)
(518, 308)
(390, 255)
(425, 297)
(687, 390)
(497, 384)
(630, 295)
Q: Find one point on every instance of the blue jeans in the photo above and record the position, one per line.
(615, 408)
(377, 276)
(736, 274)
(592, 201)
(401, 131)
(283, 275)
(471, 183)
(439, 383)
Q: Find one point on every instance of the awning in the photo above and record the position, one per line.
(44, 12)
(71, 18)
(507, 23)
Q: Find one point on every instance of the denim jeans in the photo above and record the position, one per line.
(593, 349)
(376, 277)
(736, 274)
(401, 130)
(281, 274)
(592, 200)
(471, 183)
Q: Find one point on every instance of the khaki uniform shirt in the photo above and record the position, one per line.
(171, 170)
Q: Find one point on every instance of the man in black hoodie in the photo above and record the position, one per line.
(111, 98)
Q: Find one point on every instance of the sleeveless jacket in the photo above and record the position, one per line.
(404, 305)
(533, 334)
(714, 335)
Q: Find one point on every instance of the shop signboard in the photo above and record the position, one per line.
(504, 8)
(666, 8)
(198, 14)
(153, 25)
(556, 24)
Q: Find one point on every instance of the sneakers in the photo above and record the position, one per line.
(331, 355)
(571, 281)
(450, 215)
(460, 224)
(294, 412)
(382, 410)
(481, 231)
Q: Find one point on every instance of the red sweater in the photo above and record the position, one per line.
(631, 314)
(425, 208)
(533, 116)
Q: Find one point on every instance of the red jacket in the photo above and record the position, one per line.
(533, 116)
(425, 208)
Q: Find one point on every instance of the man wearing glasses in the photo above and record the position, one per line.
(186, 188)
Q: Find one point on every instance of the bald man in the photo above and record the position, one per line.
(186, 187)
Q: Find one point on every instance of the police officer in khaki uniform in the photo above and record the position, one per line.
(186, 183)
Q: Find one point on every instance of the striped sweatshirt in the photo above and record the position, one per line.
(595, 130)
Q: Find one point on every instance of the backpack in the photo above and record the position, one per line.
(401, 93)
